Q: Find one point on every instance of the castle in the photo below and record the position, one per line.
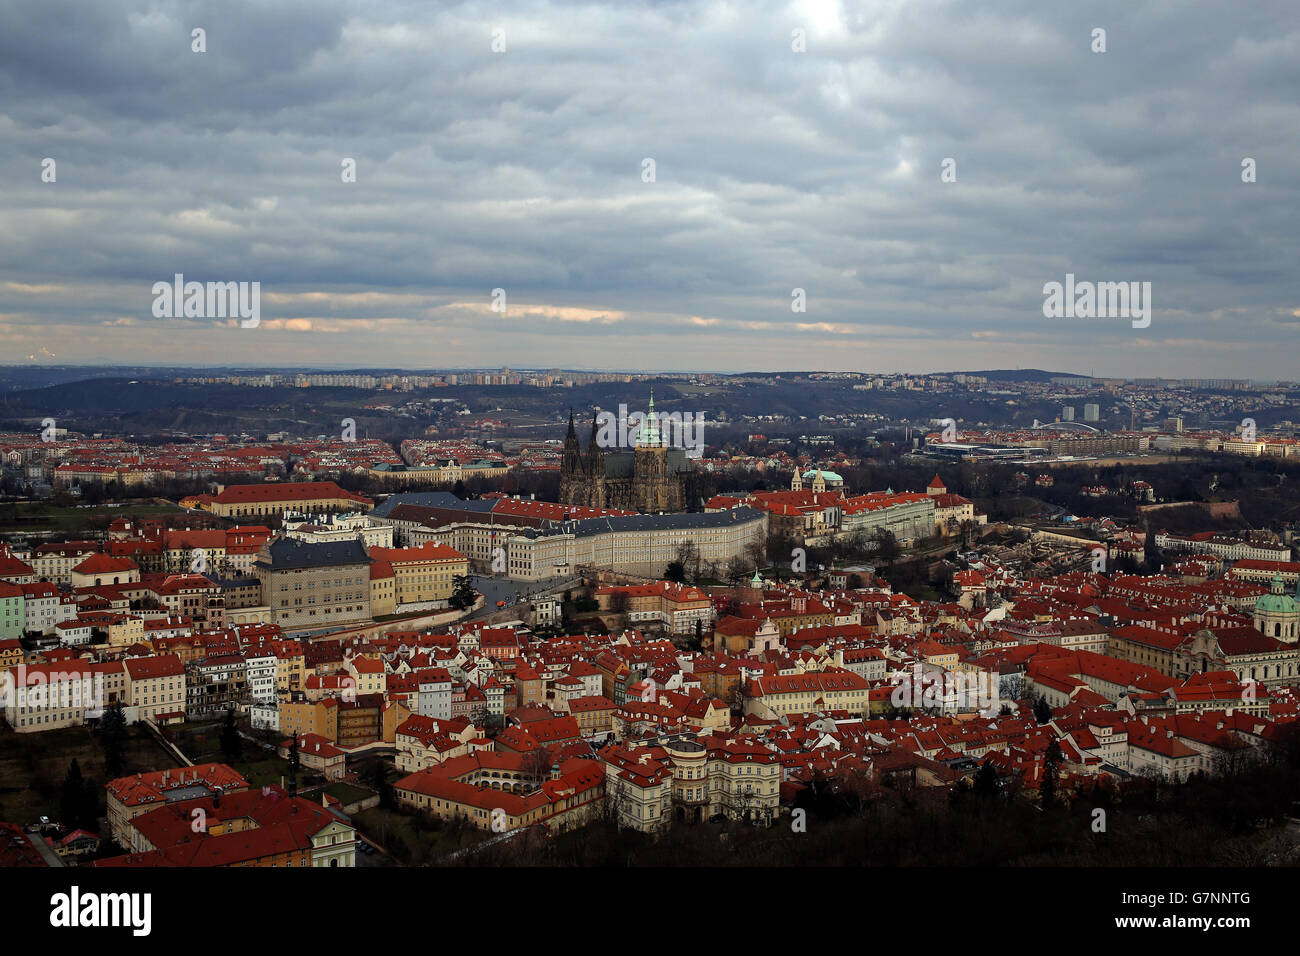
(652, 477)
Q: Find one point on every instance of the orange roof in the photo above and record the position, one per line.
(285, 491)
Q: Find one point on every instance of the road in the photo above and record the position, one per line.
(516, 594)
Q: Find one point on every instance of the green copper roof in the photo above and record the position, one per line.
(1277, 601)
(648, 435)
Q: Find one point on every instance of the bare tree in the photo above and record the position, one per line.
(688, 555)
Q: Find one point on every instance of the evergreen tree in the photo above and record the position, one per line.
(112, 734)
(232, 745)
(1042, 710)
(987, 784)
(1047, 789)
(72, 795)
(463, 594)
(294, 762)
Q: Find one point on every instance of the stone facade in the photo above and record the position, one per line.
(650, 478)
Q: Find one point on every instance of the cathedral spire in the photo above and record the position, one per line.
(648, 435)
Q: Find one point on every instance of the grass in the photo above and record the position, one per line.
(33, 767)
(413, 840)
(264, 772)
(346, 793)
(44, 516)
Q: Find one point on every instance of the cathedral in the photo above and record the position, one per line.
(652, 477)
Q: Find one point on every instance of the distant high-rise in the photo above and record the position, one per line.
(1067, 413)
(1092, 413)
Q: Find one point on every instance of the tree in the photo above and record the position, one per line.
(479, 715)
(295, 761)
(1042, 710)
(987, 783)
(1047, 789)
(675, 572)
(463, 594)
(232, 745)
(112, 734)
(688, 556)
(71, 795)
(886, 548)
(736, 570)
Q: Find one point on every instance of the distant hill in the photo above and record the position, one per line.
(1022, 374)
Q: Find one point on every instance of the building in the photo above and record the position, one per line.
(677, 607)
(97, 569)
(636, 544)
(422, 577)
(13, 610)
(479, 790)
(425, 741)
(224, 828)
(689, 780)
(39, 697)
(314, 586)
(318, 756)
(215, 684)
(270, 500)
(155, 686)
(1277, 614)
(129, 797)
(775, 697)
(649, 478)
(337, 527)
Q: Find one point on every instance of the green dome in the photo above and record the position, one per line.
(1277, 601)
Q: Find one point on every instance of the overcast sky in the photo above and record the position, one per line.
(773, 170)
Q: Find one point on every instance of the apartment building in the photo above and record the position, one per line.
(314, 586)
(155, 686)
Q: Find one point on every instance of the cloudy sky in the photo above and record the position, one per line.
(775, 169)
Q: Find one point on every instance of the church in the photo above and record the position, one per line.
(649, 478)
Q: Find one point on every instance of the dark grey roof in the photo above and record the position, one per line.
(237, 582)
(590, 526)
(707, 519)
(622, 464)
(292, 553)
(429, 499)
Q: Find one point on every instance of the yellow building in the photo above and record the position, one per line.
(383, 589)
(775, 697)
(155, 685)
(265, 500)
(310, 717)
(424, 574)
(290, 668)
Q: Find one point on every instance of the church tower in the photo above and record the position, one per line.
(572, 479)
(595, 468)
